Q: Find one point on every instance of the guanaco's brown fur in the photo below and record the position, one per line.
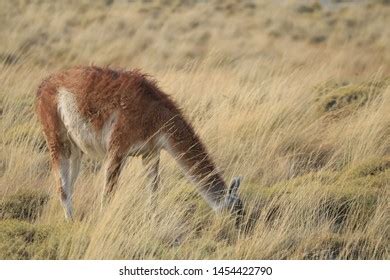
(112, 114)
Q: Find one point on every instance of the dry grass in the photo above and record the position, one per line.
(294, 97)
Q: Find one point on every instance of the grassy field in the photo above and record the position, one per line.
(292, 95)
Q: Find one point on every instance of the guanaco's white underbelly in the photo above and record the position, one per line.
(93, 143)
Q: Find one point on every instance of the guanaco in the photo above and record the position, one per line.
(113, 114)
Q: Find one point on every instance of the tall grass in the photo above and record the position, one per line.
(305, 123)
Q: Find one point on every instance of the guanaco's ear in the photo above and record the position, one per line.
(234, 185)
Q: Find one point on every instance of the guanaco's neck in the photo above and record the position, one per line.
(186, 147)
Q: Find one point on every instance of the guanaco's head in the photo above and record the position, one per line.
(232, 200)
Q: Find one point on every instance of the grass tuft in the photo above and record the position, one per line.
(23, 205)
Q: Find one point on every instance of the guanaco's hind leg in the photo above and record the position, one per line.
(67, 168)
(65, 155)
(151, 163)
(113, 167)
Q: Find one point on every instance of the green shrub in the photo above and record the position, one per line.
(337, 247)
(345, 96)
(24, 205)
(336, 97)
(346, 201)
(379, 181)
(323, 248)
(371, 174)
(371, 167)
(20, 240)
(328, 86)
(308, 8)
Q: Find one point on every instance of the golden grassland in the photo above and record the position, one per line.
(292, 95)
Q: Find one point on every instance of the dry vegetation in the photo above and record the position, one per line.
(292, 95)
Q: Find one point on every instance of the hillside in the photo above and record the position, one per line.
(292, 95)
